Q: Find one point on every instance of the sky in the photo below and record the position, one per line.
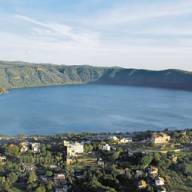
(149, 34)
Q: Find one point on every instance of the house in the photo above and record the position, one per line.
(138, 173)
(173, 158)
(59, 179)
(114, 138)
(73, 149)
(125, 140)
(3, 159)
(35, 147)
(142, 184)
(100, 162)
(153, 171)
(70, 161)
(106, 147)
(53, 167)
(24, 147)
(159, 181)
(160, 138)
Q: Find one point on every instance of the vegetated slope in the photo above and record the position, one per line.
(21, 74)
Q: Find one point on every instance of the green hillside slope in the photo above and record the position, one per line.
(21, 74)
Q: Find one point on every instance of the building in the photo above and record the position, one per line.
(160, 138)
(114, 138)
(24, 147)
(35, 147)
(159, 181)
(73, 149)
(138, 173)
(60, 179)
(173, 158)
(106, 147)
(142, 184)
(100, 162)
(3, 159)
(53, 167)
(125, 140)
(153, 171)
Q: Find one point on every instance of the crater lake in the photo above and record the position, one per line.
(93, 108)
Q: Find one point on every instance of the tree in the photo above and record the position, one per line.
(50, 185)
(146, 160)
(12, 177)
(13, 150)
(41, 188)
(88, 148)
(32, 177)
(49, 173)
(115, 156)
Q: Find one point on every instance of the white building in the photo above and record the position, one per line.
(160, 138)
(74, 149)
(35, 147)
(106, 147)
(59, 179)
(125, 140)
(114, 138)
(159, 181)
(24, 147)
(3, 159)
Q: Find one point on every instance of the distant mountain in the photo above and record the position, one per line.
(21, 74)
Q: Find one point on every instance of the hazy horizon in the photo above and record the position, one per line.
(131, 34)
(112, 66)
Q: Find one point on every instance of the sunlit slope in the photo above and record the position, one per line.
(21, 74)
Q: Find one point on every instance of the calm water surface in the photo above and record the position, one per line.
(93, 108)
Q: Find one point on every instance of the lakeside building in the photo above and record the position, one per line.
(142, 184)
(123, 140)
(100, 162)
(159, 181)
(24, 147)
(3, 159)
(153, 171)
(35, 147)
(106, 147)
(59, 179)
(160, 138)
(73, 149)
(114, 138)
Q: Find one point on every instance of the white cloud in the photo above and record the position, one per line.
(110, 38)
(18, 48)
(61, 31)
(140, 12)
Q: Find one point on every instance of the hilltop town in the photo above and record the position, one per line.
(144, 162)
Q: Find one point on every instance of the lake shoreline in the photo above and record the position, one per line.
(85, 84)
(65, 134)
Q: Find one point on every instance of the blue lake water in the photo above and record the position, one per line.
(93, 108)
